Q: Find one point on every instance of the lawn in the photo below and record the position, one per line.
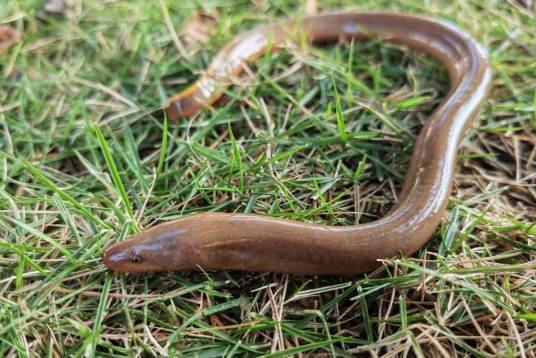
(86, 160)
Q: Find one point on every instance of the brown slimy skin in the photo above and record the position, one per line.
(261, 243)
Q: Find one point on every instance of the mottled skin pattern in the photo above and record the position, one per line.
(260, 243)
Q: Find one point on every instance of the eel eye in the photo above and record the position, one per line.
(136, 259)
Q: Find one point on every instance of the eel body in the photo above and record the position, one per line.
(260, 243)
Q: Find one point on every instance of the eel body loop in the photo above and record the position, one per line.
(261, 243)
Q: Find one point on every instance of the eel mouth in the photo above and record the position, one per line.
(115, 258)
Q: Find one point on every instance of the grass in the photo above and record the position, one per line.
(318, 134)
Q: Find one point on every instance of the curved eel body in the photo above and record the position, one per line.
(261, 243)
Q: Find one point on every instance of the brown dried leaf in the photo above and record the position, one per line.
(200, 27)
(311, 7)
(8, 37)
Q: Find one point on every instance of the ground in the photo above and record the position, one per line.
(86, 160)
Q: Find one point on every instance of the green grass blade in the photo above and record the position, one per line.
(114, 172)
(340, 117)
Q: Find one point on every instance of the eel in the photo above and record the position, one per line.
(259, 243)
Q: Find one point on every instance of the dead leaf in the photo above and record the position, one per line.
(8, 37)
(311, 7)
(67, 8)
(200, 27)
